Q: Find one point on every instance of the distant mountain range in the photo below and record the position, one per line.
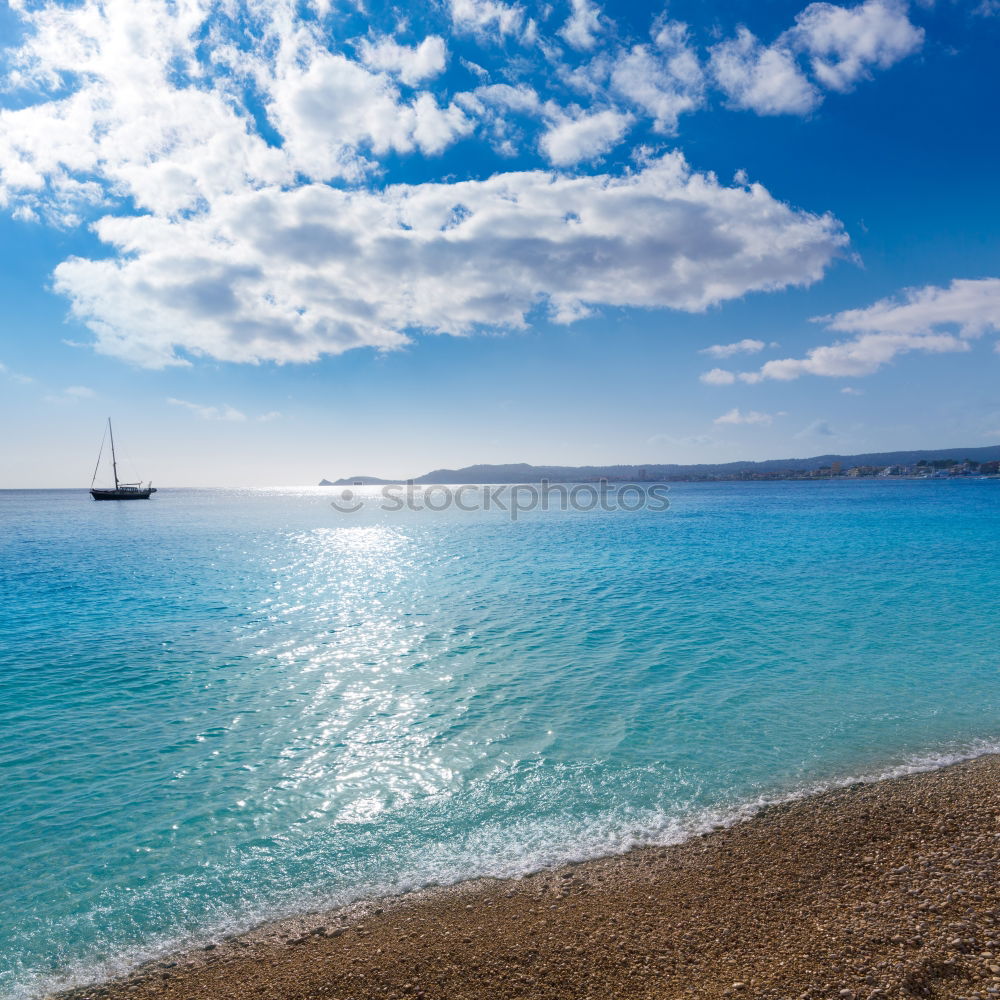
(523, 473)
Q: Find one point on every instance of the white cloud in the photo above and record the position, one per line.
(488, 17)
(892, 327)
(205, 161)
(332, 109)
(161, 102)
(849, 390)
(117, 118)
(497, 107)
(843, 44)
(583, 25)
(762, 78)
(224, 412)
(861, 356)
(971, 305)
(664, 80)
(520, 98)
(587, 137)
(746, 346)
(127, 127)
(474, 68)
(735, 416)
(413, 63)
(718, 376)
(290, 275)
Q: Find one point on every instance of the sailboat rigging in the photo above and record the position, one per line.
(121, 491)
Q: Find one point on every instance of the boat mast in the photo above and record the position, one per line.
(114, 461)
(100, 455)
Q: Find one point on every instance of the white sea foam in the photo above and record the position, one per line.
(494, 854)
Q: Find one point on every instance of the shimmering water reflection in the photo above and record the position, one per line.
(223, 706)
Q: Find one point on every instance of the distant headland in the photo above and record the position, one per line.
(941, 463)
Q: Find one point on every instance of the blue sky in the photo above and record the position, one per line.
(278, 241)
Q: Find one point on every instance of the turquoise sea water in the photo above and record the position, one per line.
(223, 706)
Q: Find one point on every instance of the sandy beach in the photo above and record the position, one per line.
(878, 890)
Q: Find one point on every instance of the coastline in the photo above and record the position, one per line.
(873, 890)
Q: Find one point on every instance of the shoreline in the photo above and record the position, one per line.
(880, 888)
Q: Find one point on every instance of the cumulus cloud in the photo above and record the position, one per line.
(413, 63)
(500, 108)
(488, 17)
(861, 356)
(521, 98)
(140, 107)
(718, 376)
(128, 125)
(333, 109)
(571, 140)
(664, 80)
(116, 118)
(206, 168)
(844, 44)
(931, 320)
(970, 305)
(290, 275)
(746, 346)
(762, 78)
(583, 24)
(735, 416)
(841, 46)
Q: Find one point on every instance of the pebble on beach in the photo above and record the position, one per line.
(877, 891)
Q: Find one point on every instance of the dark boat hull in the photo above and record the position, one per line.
(122, 494)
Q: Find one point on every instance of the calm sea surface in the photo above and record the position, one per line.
(222, 706)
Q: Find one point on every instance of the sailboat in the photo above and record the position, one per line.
(121, 491)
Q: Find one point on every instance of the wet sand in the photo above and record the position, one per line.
(880, 890)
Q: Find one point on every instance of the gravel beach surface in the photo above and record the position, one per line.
(878, 890)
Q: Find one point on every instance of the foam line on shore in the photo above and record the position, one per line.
(669, 832)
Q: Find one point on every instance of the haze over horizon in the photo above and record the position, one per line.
(280, 241)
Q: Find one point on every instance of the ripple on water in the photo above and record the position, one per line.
(257, 707)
